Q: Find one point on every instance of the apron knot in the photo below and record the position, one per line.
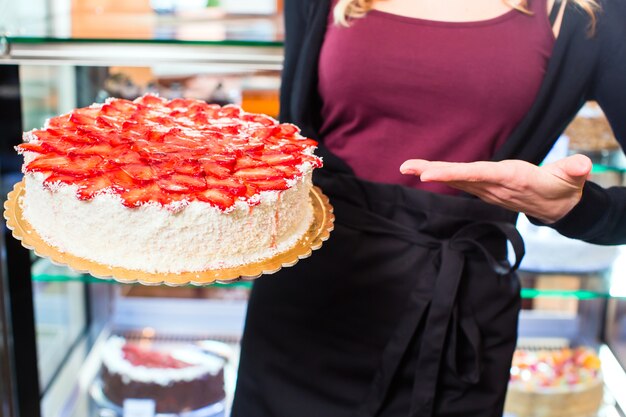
(442, 323)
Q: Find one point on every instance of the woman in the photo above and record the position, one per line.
(410, 309)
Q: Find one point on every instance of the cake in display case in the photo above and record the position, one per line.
(178, 378)
(563, 382)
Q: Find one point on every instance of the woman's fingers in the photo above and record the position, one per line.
(547, 192)
(492, 172)
(574, 169)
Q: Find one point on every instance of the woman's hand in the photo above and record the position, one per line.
(547, 193)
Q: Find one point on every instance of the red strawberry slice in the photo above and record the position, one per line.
(285, 130)
(313, 160)
(97, 149)
(229, 129)
(154, 136)
(178, 113)
(55, 177)
(251, 190)
(225, 160)
(220, 198)
(32, 147)
(150, 100)
(230, 111)
(178, 183)
(49, 134)
(289, 171)
(231, 185)
(188, 168)
(125, 156)
(106, 121)
(214, 169)
(202, 107)
(245, 162)
(91, 186)
(279, 158)
(79, 119)
(121, 180)
(258, 173)
(123, 106)
(262, 133)
(139, 172)
(110, 110)
(306, 143)
(88, 135)
(48, 163)
(179, 103)
(258, 118)
(61, 147)
(270, 184)
(138, 195)
(200, 118)
(82, 165)
(163, 168)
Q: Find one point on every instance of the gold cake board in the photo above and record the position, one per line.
(318, 232)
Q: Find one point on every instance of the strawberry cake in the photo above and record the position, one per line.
(178, 380)
(555, 383)
(168, 186)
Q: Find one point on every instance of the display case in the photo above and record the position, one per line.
(57, 323)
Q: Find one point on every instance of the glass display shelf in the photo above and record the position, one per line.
(205, 28)
(581, 287)
(112, 37)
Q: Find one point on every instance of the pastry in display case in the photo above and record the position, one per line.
(564, 382)
(590, 131)
(179, 378)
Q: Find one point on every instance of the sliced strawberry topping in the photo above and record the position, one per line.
(246, 161)
(151, 358)
(178, 183)
(279, 158)
(55, 177)
(230, 185)
(286, 130)
(258, 173)
(289, 171)
(231, 112)
(150, 100)
(155, 150)
(139, 195)
(88, 189)
(32, 147)
(139, 172)
(258, 118)
(217, 197)
(123, 106)
(270, 184)
(214, 169)
(48, 163)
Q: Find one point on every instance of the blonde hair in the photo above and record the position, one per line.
(345, 10)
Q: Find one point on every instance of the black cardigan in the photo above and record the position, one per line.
(582, 67)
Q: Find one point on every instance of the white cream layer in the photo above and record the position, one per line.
(154, 239)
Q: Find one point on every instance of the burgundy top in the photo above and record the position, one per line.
(396, 88)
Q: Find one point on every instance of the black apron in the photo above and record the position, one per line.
(409, 309)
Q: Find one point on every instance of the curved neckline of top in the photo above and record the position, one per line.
(421, 21)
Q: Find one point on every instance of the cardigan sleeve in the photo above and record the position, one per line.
(295, 25)
(600, 216)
